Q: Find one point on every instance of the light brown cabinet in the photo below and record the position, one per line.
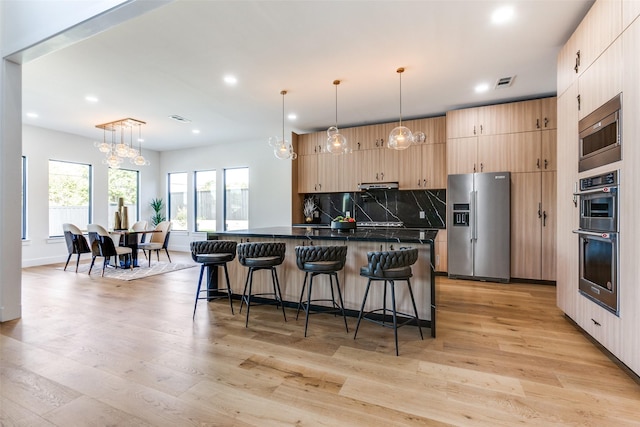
(533, 225)
(423, 166)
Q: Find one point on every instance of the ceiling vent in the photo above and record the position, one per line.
(505, 82)
(178, 118)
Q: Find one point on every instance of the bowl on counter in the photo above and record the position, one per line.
(343, 225)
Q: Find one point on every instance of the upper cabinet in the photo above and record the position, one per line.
(597, 31)
(423, 166)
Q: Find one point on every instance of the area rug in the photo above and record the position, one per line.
(130, 274)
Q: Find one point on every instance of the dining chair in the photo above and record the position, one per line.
(159, 240)
(102, 246)
(76, 243)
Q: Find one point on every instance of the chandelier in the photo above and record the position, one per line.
(118, 150)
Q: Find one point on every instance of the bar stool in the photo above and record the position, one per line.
(213, 254)
(389, 266)
(315, 260)
(261, 256)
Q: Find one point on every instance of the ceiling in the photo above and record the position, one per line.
(172, 60)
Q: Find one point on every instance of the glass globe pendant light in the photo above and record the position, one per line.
(336, 142)
(400, 138)
(282, 148)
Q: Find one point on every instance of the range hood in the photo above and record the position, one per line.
(378, 186)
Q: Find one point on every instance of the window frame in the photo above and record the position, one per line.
(110, 220)
(196, 199)
(226, 214)
(174, 222)
(89, 192)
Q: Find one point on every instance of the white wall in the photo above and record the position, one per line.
(269, 183)
(40, 145)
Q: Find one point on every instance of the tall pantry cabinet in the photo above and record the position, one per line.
(520, 138)
(599, 61)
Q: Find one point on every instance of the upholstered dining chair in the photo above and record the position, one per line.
(159, 240)
(76, 243)
(102, 245)
(140, 226)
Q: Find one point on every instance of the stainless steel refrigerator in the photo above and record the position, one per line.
(479, 226)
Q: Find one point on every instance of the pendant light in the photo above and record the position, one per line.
(400, 138)
(282, 148)
(336, 142)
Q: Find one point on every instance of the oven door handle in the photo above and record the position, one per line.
(606, 190)
(603, 234)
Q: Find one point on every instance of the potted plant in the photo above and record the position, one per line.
(158, 211)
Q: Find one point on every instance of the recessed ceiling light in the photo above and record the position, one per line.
(196, 131)
(33, 115)
(91, 98)
(482, 87)
(292, 116)
(230, 80)
(502, 14)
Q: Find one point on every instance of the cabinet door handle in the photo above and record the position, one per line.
(382, 175)
(377, 177)
(358, 145)
(546, 163)
(481, 167)
(320, 187)
(544, 218)
(539, 210)
(418, 183)
(474, 168)
(578, 98)
(577, 66)
(425, 183)
(481, 129)
(537, 123)
(474, 129)
(538, 163)
(546, 122)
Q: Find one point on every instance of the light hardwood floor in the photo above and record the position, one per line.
(91, 351)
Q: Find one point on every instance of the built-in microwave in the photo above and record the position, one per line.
(600, 136)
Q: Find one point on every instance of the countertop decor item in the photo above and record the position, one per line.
(343, 223)
(309, 209)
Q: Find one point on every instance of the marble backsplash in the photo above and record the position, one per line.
(384, 206)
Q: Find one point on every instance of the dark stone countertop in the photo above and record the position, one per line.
(396, 235)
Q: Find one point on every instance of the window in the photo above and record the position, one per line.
(123, 183)
(205, 185)
(69, 195)
(23, 200)
(236, 199)
(178, 200)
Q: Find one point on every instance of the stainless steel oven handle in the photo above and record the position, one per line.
(593, 233)
(596, 190)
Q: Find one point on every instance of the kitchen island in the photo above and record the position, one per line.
(359, 242)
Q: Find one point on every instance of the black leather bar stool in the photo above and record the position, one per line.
(315, 260)
(387, 267)
(261, 256)
(213, 254)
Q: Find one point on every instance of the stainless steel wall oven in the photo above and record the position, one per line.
(599, 240)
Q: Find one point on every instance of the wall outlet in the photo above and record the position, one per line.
(421, 214)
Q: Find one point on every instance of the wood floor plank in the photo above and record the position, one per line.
(93, 351)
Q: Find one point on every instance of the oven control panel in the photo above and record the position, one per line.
(607, 179)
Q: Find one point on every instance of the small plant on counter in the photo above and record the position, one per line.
(309, 209)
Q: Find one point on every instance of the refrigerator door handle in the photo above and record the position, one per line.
(474, 213)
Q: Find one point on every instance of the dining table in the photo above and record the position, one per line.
(130, 238)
